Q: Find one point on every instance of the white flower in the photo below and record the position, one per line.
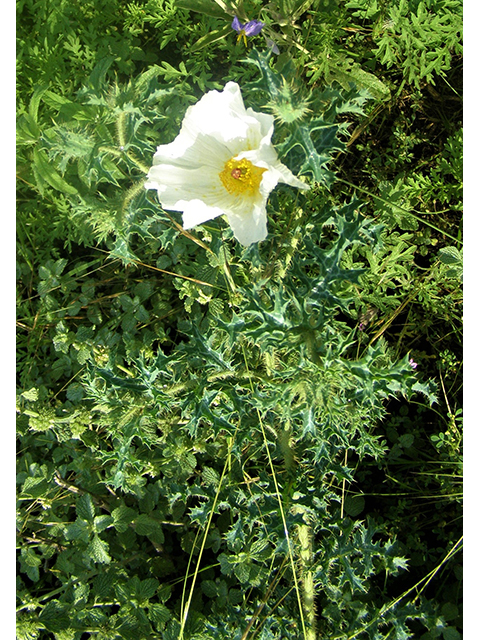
(222, 162)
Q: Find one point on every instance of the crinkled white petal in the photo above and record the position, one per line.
(177, 184)
(197, 212)
(218, 119)
(249, 226)
(198, 193)
(203, 150)
(186, 172)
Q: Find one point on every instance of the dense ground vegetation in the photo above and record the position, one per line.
(225, 442)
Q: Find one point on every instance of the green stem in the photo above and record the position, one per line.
(306, 557)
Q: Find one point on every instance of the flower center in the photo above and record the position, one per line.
(241, 177)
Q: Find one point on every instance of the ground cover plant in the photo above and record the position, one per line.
(227, 430)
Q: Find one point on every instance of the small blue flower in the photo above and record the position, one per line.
(247, 30)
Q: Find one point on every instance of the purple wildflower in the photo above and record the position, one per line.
(248, 29)
(412, 363)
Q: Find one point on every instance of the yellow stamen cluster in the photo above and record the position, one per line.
(241, 177)
(243, 35)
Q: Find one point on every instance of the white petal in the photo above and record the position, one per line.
(287, 177)
(250, 226)
(223, 116)
(178, 185)
(184, 151)
(196, 212)
(214, 130)
(266, 121)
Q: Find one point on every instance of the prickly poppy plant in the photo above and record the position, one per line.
(220, 387)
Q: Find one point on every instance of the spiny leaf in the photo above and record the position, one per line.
(45, 173)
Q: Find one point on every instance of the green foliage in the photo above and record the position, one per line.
(420, 35)
(211, 439)
(55, 46)
(443, 185)
(309, 143)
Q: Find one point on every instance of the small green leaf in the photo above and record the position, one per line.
(102, 522)
(85, 508)
(30, 563)
(28, 131)
(159, 613)
(210, 476)
(122, 517)
(147, 588)
(450, 255)
(59, 266)
(210, 38)
(147, 526)
(450, 611)
(103, 584)
(30, 395)
(34, 487)
(209, 588)
(98, 550)
(75, 392)
(406, 440)
(354, 505)
(78, 530)
(347, 72)
(260, 549)
(35, 101)
(242, 571)
(55, 616)
(450, 633)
